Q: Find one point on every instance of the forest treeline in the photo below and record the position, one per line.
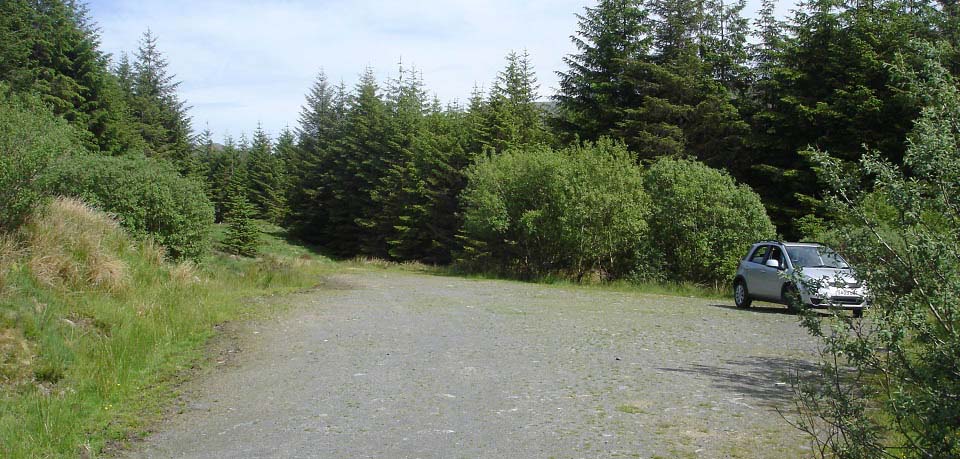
(383, 169)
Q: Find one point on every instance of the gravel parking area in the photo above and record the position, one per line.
(402, 365)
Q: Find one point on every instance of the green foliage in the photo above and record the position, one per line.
(896, 374)
(310, 163)
(267, 180)
(430, 215)
(535, 211)
(50, 48)
(31, 139)
(826, 83)
(158, 114)
(242, 237)
(702, 222)
(593, 91)
(148, 196)
(116, 327)
(510, 116)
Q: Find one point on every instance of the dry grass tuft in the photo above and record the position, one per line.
(9, 255)
(107, 273)
(185, 273)
(73, 246)
(16, 358)
(153, 253)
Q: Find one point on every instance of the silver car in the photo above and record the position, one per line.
(779, 271)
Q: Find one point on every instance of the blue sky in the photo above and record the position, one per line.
(242, 62)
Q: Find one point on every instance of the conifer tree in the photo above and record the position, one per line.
(242, 236)
(512, 115)
(266, 179)
(830, 87)
(396, 180)
(594, 91)
(430, 218)
(311, 165)
(160, 115)
(51, 47)
(223, 165)
(354, 170)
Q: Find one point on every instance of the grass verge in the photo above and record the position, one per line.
(95, 327)
(648, 288)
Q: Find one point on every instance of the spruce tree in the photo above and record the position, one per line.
(354, 168)
(397, 181)
(594, 91)
(242, 236)
(51, 47)
(829, 86)
(311, 164)
(267, 179)
(160, 115)
(512, 117)
(224, 163)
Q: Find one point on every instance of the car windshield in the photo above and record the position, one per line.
(815, 257)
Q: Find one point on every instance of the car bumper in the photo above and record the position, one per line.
(838, 299)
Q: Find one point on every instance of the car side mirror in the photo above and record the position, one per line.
(773, 263)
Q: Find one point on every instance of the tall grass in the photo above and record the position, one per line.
(95, 326)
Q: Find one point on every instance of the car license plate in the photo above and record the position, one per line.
(848, 292)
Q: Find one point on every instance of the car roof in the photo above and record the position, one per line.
(791, 244)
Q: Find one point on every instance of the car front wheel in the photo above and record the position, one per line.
(741, 297)
(791, 298)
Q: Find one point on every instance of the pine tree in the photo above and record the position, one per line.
(398, 182)
(160, 115)
(354, 169)
(267, 179)
(224, 163)
(431, 216)
(311, 163)
(594, 91)
(724, 47)
(829, 87)
(242, 236)
(512, 115)
(51, 47)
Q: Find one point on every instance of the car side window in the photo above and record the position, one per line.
(777, 254)
(760, 254)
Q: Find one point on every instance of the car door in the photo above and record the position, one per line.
(768, 278)
(753, 271)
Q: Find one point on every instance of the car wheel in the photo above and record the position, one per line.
(741, 296)
(791, 298)
(858, 313)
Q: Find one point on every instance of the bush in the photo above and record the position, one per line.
(31, 137)
(895, 377)
(148, 197)
(536, 211)
(702, 222)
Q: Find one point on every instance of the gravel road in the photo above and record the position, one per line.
(401, 365)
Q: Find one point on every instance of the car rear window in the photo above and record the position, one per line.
(759, 254)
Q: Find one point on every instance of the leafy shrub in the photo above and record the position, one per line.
(536, 210)
(31, 137)
(702, 222)
(895, 378)
(148, 197)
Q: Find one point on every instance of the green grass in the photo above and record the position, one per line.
(88, 364)
(682, 289)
